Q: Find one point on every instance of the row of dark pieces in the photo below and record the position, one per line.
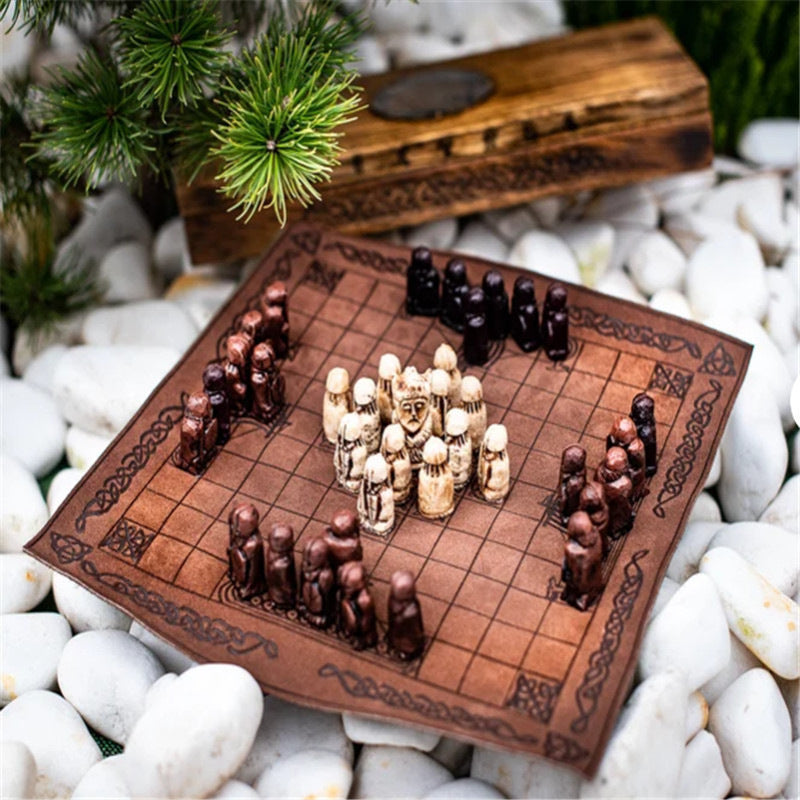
(598, 511)
(247, 381)
(333, 586)
(482, 312)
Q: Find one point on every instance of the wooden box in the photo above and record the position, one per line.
(602, 107)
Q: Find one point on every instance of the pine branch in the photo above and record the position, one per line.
(44, 15)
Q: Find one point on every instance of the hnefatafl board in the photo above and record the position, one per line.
(506, 663)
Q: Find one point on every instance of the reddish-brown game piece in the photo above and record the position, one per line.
(317, 584)
(246, 551)
(571, 480)
(198, 435)
(613, 474)
(217, 393)
(406, 633)
(252, 326)
(593, 502)
(555, 323)
(275, 311)
(582, 572)
(267, 383)
(623, 434)
(280, 572)
(357, 621)
(344, 543)
(643, 416)
(237, 368)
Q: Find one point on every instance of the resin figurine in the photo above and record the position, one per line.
(525, 315)
(459, 447)
(342, 538)
(198, 435)
(422, 284)
(246, 552)
(454, 292)
(388, 367)
(350, 455)
(317, 585)
(497, 317)
(268, 385)
(395, 453)
(613, 474)
(555, 323)
(476, 328)
(643, 415)
(435, 490)
(280, 573)
(366, 406)
(336, 403)
(440, 402)
(375, 498)
(472, 402)
(571, 480)
(237, 372)
(494, 474)
(406, 636)
(217, 393)
(357, 621)
(445, 358)
(412, 394)
(582, 572)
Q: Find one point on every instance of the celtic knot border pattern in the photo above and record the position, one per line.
(562, 748)
(68, 549)
(718, 362)
(369, 258)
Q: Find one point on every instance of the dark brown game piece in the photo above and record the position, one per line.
(406, 635)
(318, 584)
(268, 385)
(476, 328)
(497, 317)
(582, 571)
(275, 311)
(237, 369)
(593, 502)
(525, 315)
(252, 326)
(280, 572)
(422, 284)
(357, 621)
(454, 294)
(217, 393)
(246, 551)
(623, 434)
(571, 480)
(344, 543)
(198, 435)
(613, 474)
(643, 414)
(555, 323)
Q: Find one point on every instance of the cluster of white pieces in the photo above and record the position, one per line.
(410, 424)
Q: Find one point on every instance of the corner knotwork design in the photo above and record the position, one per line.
(535, 697)
(686, 452)
(590, 688)
(670, 380)
(132, 462)
(323, 276)
(605, 325)
(128, 540)
(67, 548)
(307, 241)
(369, 258)
(562, 748)
(364, 687)
(719, 362)
(201, 627)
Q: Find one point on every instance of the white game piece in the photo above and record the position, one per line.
(350, 455)
(388, 367)
(494, 476)
(375, 498)
(472, 400)
(440, 402)
(459, 446)
(394, 452)
(412, 405)
(336, 403)
(445, 358)
(366, 406)
(435, 491)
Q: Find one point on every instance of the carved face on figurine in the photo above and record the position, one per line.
(198, 405)
(276, 294)
(412, 396)
(281, 538)
(251, 324)
(243, 520)
(237, 347)
(315, 556)
(623, 430)
(263, 357)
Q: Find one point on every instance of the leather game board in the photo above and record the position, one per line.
(507, 663)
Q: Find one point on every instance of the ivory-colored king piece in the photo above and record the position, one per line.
(350, 455)
(494, 475)
(435, 490)
(395, 453)
(336, 403)
(375, 498)
(412, 410)
(388, 367)
(366, 406)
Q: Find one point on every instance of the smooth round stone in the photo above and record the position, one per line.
(729, 167)
(437, 235)
(151, 322)
(422, 48)
(766, 223)
(311, 774)
(478, 240)
(177, 749)
(791, 696)
(770, 550)
(656, 263)
(31, 428)
(454, 755)
(690, 634)
(106, 675)
(370, 56)
(22, 508)
(103, 781)
(705, 508)
(725, 200)
(751, 724)
(62, 484)
(57, 738)
(366, 730)
(171, 248)
(691, 547)
(464, 788)
(25, 583)
(617, 284)
(592, 243)
(18, 775)
(85, 610)
(39, 373)
(690, 229)
(671, 301)
(702, 772)
(680, 192)
(200, 296)
(783, 511)
(159, 688)
(520, 775)
(172, 658)
(32, 647)
(643, 757)
(740, 661)
(770, 142)
(665, 593)
(791, 788)
(393, 772)
(725, 275)
(287, 729)
(84, 448)
(99, 388)
(510, 223)
(713, 477)
(125, 271)
(696, 713)
(548, 210)
(546, 254)
(764, 620)
(236, 790)
(632, 206)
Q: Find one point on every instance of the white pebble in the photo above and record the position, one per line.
(725, 275)
(159, 688)
(657, 263)
(177, 749)
(31, 428)
(764, 619)
(702, 771)
(311, 774)
(729, 167)
(713, 478)
(287, 729)
(770, 142)
(106, 675)
(548, 210)
(85, 610)
(725, 199)
(25, 583)
(100, 388)
(751, 725)
(236, 790)
(125, 272)
(510, 223)
(792, 786)
(62, 484)
(18, 775)
(740, 661)
(172, 658)
(696, 713)
(783, 510)
(632, 206)
(671, 301)
(690, 549)
(592, 243)
(791, 696)
(422, 48)
(690, 634)
(454, 755)
(103, 781)
(478, 240)
(705, 508)
(765, 221)
(437, 235)
(22, 508)
(546, 254)
(40, 371)
(200, 297)
(171, 248)
(465, 789)
(770, 550)
(391, 772)
(680, 192)
(84, 448)
(367, 730)
(665, 593)
(45, 722)
(643, 756)
(617, 284)
(690, 229)
(520, 775)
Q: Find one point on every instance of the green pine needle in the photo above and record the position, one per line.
(172, 50)
(44, 15)
(94, 127)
